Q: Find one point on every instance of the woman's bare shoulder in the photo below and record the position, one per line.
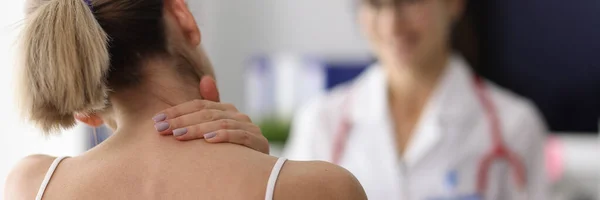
(317, 180)
(26, 177)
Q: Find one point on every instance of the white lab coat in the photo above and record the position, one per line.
(452, 135)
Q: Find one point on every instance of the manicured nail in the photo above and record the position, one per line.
(161, 126)
(180, 132)
(160, 117)
(210, 135)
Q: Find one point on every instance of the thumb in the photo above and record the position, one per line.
(208, 89)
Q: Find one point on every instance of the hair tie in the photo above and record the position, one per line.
(89, 3)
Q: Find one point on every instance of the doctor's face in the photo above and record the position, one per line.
(408, 33)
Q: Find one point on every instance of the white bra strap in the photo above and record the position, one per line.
(273, 178)
(47, 178)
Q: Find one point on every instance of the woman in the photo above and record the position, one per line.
(154, 63)
(420, 124)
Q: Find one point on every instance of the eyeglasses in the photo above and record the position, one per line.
(391, 3)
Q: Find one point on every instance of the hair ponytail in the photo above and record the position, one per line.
(64, 63)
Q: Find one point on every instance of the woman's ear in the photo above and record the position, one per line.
(91, 120)
(456, 9)
(183, 16)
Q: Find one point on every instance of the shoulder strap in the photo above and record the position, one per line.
(48, 177)
(273, 178)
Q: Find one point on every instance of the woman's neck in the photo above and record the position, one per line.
(132, 109)
(410, 86)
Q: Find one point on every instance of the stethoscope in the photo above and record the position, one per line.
(499, 150)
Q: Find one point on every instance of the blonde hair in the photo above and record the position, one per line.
(64, 63)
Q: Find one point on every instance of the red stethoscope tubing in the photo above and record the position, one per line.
(499, 151)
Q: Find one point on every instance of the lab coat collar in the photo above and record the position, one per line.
(369, 96)
(459, 102)
(446, 113)
(370, 108)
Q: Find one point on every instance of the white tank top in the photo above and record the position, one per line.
(268, 194)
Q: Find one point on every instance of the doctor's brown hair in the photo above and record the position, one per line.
(73, 55)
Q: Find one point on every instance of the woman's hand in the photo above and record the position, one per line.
(212, 121)
(207, 119)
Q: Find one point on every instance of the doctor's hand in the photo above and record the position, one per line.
(210, 120)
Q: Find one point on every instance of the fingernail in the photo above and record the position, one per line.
(210, 135)
(161, 126)
(160, 117)
(180, 132)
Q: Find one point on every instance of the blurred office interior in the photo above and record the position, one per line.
(271, 57)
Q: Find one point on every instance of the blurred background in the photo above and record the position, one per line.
(272, 56)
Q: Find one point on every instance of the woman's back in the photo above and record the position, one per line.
(159, 168)
(119, 63)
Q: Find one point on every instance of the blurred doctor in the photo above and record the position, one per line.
(420, 124)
